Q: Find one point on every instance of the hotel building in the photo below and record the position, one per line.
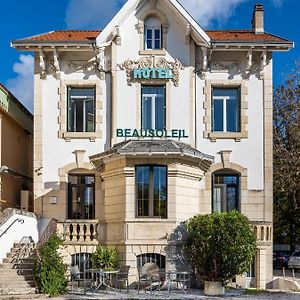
(150, 121)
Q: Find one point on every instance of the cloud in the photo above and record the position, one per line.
(205, 12)
(22, 85)
(277, 3)
(95, 14)
(91, 14)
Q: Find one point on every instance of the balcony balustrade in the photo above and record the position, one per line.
(263, 232)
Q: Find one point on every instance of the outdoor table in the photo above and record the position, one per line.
(174, 277)
(102, 277)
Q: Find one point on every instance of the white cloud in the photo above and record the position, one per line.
(277, 3)
(22, 85)
(207, 11)
(91, 14)
(95, 14)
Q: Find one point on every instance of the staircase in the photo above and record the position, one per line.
(16, 271)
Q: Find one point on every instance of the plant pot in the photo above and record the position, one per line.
(214, 288)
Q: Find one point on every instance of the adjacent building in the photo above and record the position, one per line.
(152, 120)
(16, 153)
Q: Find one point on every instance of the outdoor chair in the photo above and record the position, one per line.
(122, 277)
(181, 277)
(76, 276)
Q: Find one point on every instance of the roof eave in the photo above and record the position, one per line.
(33, 44)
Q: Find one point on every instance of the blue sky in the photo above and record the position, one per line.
(25, 18)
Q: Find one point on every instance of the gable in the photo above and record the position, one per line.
(132, 7)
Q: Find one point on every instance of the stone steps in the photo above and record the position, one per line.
(17, 291)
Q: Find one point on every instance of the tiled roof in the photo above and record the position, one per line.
(242, 36)
(154, 147)
(91, 35)
(65, 36)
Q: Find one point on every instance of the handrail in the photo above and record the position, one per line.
(16, 220)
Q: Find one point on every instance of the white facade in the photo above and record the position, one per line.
(202, 62)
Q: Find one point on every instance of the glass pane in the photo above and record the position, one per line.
(157, 34)
(218, 118)
(147, 113)
(217, 199)
(76, 207)
(233, 115)
(220, 92)
(231, 198)
(89, 203)
(81, 107)
(160, 113)
(160, 192)
(142, 185)
(149, 39)
(89, 116)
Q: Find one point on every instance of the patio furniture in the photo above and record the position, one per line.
(75, 276)
(179, 279)
(150, 276)
(122, 277)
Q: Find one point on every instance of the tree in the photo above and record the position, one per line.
(49, 271)
(221, 246)
(287, 159)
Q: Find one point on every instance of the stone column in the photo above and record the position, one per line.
(261, 266)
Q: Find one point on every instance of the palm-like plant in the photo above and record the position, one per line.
(105, 258)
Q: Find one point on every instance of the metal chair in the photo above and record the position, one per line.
(122, 277)
(76, 276)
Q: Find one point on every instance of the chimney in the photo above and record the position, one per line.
(258, 19)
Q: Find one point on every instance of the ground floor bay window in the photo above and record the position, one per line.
(81, 197)
(151, 191)
(226, 192)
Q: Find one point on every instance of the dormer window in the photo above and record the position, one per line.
(153, 34)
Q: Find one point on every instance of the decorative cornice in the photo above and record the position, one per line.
(152, 62)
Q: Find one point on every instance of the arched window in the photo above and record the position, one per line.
(225, 191)
(153, 33)
(155, 258)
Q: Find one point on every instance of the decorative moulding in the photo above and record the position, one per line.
(152, 62)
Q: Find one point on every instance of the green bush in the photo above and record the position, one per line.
(49, 271)
(105, 258)
(221, 245)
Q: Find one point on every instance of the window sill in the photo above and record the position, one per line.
(237, 136)
(153, 52)
(67, 136)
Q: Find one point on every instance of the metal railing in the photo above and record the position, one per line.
(15, 221)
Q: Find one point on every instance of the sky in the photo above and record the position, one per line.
(21, 19)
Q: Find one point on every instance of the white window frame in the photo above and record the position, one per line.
(153, 28)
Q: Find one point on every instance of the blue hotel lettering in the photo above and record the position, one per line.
(152, 73)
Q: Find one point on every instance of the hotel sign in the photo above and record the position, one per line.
(149, 68)
(151, 133)
(153, 73)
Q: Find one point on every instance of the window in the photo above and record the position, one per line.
(81, 109)
(151, 191)
(158, 259)
(153, 34)
(226, 192)
(83, 261)
(226, 110)
(153, 107)
(81, 197)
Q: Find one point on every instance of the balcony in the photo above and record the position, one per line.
(78, 231)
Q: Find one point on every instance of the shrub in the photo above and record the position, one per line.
(49, 271)
(105, 258)
(220, 246)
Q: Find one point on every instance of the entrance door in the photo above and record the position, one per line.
(81, 196)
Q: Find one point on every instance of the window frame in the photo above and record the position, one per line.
(150, 192)
(224, 203)
(69, 88)
(207, 120)
(153, 39)
(63, 110)
(80, 186)
(153, 111)
(225, 100)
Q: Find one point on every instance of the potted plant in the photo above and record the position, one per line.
(105, 258)
(220, 246)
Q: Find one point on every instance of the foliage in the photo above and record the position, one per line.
(221, 245)
(49, 271)
(105, 258)
(286, 159)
